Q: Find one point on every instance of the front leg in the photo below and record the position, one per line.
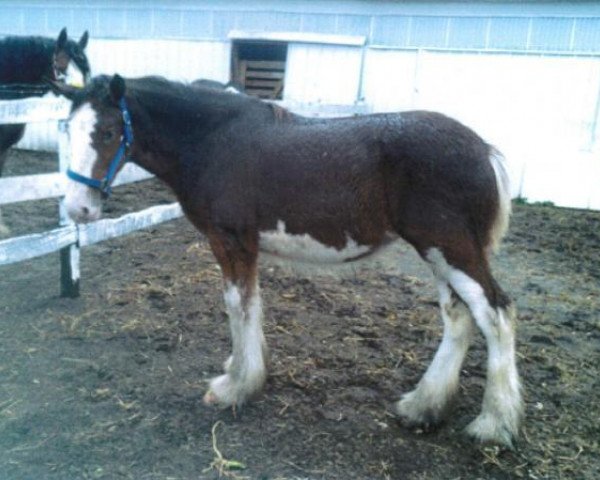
(245, 370)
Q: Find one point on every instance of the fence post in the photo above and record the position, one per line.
(69, 256)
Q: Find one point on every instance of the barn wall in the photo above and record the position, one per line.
(527, 25)
(328, 74)
(542, 112)
(177, 60)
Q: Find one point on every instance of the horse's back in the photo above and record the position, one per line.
(24, 59)
(428, 148)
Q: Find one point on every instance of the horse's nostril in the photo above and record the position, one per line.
(85, 211)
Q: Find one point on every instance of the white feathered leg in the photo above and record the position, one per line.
(427, 403)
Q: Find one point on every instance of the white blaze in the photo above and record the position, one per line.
(74, 76)
(82, 202)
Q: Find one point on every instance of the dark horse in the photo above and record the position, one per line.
(256, 178)
(25, 65)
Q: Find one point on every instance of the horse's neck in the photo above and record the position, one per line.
(156, 144)
(152, 154)
(162, 134)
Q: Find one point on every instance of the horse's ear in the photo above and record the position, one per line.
(83, 41)
(60, 88)
(117, 87)
(62, 39)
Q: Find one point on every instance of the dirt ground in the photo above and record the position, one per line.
(109, 385)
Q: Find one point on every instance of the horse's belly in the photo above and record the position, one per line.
(304, 248)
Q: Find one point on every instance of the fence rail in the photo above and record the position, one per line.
(50, 185)
(26, 247)
(69, 238)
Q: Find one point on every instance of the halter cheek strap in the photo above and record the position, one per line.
(120, 157)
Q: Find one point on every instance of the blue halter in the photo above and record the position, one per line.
(124, 147)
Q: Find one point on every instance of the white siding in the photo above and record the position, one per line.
(176, 60)
(328, 74)
(389, 80)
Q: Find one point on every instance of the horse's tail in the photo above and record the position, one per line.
(500, 225)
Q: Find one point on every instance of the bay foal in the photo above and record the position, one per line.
(253, 177)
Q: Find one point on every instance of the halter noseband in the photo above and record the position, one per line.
(126, 141)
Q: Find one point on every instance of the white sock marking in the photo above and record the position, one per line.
(83, 157)
(246, 369)
(502, 404)
(428, 401)
(73, 75)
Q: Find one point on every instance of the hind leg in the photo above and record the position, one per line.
(502, 407)
(427, 403)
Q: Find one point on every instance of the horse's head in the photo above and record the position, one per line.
(69, 62)
(100, 139)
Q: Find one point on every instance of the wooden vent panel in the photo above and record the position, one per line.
(263, 78)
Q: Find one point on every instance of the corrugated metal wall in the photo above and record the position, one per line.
(567, 27)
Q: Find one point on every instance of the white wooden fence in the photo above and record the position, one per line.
(69, 238)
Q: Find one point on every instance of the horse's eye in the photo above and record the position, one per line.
(108, 136)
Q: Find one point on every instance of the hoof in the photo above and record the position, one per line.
(415, 413)
(225, 392)
(210, 398)
(488, 429)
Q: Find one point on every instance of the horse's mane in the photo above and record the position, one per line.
(184, 93)
(160, 93)
(282, 115)
(20, 44)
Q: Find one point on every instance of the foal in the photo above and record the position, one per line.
(253, 177)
